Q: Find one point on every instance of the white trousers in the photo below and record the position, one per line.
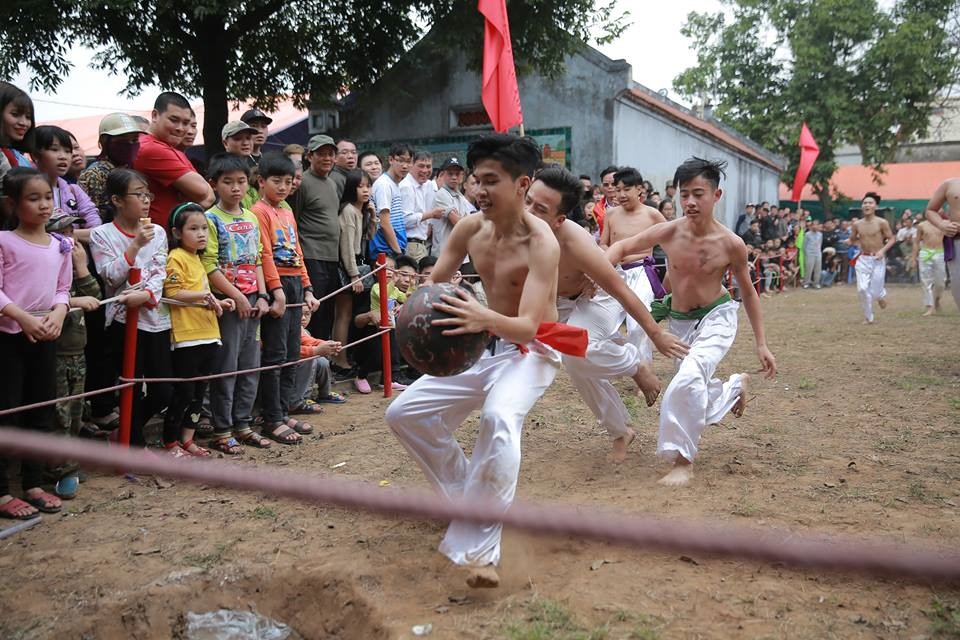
(695, 398)
(933, 276)
(953, 268)
(606, 358)
(504, 387)
(638, 282)
(871, 276)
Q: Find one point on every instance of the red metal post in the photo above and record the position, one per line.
(128, 369)
(384, 323)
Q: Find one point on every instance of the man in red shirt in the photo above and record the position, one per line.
(170, 175)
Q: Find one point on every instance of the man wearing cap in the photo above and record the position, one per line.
(417, 194)
(450, 203)
(237, 139)
(344, 163)
(119, 144)
(260, 122)
(170, 175)
(316, 206)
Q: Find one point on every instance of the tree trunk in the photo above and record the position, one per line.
(823, 194)
(211, 62)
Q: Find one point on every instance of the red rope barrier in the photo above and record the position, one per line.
(637, 530)
(47, 403)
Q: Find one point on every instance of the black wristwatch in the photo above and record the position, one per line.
(263, 296)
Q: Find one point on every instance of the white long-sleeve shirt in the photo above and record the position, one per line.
(416, 198)
(108, 244)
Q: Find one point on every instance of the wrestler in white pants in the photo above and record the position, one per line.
(695, 398)
(871, 276)
(606, 359)
(504, 386)
(636, 279)
(953, 268)
(933, 275)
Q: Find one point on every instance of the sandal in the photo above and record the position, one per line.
(204, 428)
(43, 501)
(249, 437)
(283, 434)
(66, 487)
(195, 450)
(175, 450)
(15, 509)
(302, 428)
(332, 398)
(227, 445)
(308, 406)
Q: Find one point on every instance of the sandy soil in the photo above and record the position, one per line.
(860, 435)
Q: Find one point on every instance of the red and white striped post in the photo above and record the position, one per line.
(128, 369)
(384, 324)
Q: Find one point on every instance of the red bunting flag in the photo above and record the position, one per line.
(501, 97)
(808, 155)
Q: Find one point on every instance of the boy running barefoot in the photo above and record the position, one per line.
(627, 220)
(552, 196)
(699, 250)
(875, 238)
(516, 256)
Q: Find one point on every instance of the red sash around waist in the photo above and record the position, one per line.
(564, 338)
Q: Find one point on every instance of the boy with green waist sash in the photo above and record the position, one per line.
(699, 250)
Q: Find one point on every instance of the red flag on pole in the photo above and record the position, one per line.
(808, 155)
(501, 97)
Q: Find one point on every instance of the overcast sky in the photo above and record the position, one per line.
(652, 45)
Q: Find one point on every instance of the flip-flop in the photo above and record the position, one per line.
(332, 398)
(41, 502)
(8, 509)
(66, 487)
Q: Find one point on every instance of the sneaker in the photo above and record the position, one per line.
(361, 385)
(340, 374)
(397, 386)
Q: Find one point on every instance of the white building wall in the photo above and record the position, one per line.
(657, 145)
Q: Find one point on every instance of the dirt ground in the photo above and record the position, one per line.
(859, 435)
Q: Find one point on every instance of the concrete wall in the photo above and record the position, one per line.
(416, 102)
(656, 145)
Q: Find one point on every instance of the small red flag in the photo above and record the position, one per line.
(808, 155)
(501, 96)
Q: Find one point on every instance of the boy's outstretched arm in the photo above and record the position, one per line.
(738, 263)
(643, 241)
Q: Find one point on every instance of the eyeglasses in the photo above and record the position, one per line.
(143, 196)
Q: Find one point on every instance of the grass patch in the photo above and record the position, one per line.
(807, 385)
(264, 512)
(545, 619)
(632, 403)
(207, 561)
(918, 381)
(945, 619)
(917, 491)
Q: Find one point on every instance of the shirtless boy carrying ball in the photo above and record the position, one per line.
(699, 250)
(516, 255)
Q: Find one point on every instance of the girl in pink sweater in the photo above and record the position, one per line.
(36, 270)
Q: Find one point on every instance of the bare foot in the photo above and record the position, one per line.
(483, 578)
(869, 322)
(680, 475)
(882, 302)
(928, 312)
(648, 382)
(619, 453)
(741, 405)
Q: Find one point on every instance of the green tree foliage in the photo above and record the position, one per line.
(260, 50)
(854, 72)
